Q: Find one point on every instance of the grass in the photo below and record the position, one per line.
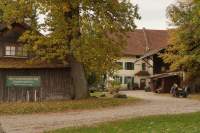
(60, 106)
(97, 94)
(184, 123)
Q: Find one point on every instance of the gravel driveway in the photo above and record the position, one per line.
(152, 105)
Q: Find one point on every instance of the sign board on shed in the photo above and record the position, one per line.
(23, 81)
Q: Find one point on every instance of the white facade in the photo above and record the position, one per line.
(138, 67)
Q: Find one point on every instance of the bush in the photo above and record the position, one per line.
(120, 96)
(102, 95)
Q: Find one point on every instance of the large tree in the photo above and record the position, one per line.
(87, 33)
(184, 49)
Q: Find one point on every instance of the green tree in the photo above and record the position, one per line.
(87, 33)
(183, 52)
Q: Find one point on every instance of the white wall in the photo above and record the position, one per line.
(137, 67)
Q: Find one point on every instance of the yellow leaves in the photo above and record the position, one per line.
(35, 47)
(66, 7)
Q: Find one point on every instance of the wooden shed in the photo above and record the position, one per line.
(17, 76)
(165, 81)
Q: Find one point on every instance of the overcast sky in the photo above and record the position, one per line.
(153, 13)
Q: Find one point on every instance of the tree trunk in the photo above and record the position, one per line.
(79, 82)
(79, 89)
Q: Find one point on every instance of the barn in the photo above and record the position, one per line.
(22, 81)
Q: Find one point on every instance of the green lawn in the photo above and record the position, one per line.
(184, 123)
(60, 106)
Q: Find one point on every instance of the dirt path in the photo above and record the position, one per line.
(153, 104)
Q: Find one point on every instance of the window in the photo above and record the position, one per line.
(15, 51)
(142, 83)
(10, 50)
(120, 65)
(21, 52)
(129, 66)
(118, 79)
(143, 66)
(129, 80)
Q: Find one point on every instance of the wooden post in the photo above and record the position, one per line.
(35, 95)
(40, 94)
(28, 96)
(22, 94)
(8, 94)
(15, 94)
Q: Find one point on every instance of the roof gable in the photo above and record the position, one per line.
(11, 35)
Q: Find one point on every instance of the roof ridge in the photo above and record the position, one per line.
(147, 47)
(153, 29)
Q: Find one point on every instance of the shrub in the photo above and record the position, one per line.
(120, 96)
(103, 95)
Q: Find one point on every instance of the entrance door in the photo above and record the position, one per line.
(142, 84)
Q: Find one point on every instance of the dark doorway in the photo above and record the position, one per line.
(142, 84)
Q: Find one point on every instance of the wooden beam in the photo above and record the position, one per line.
(147, 62)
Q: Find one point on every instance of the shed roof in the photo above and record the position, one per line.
(22, 63)
(165, 75)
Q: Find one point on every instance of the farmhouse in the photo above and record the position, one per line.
(22, 81)
(136, 71)
(162, 79)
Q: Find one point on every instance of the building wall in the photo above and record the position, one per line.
(55, 84)
(131, 73)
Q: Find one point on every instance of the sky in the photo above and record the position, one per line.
(153, 13)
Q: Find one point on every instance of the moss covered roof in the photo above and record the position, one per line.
(22, 63)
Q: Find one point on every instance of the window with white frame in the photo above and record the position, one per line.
(15, 51)
(10, 50)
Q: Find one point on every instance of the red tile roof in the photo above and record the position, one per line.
(141, 39)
